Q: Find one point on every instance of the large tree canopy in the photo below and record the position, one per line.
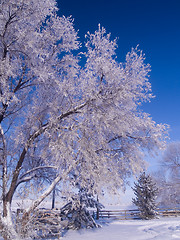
(61, 121)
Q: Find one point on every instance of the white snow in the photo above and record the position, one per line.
(158, 229)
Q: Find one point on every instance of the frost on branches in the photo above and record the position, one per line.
(146, 193)
(60, 122)
(168, 177)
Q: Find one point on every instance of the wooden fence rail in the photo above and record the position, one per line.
(115, 214)
(118, 214)
(132, 214)
(165, 212)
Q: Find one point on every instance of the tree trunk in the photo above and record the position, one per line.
(8, 227)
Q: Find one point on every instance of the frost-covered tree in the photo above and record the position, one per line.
(145, 191)
(37, 70)
(60, 122)
(168, 178)
(171, 161)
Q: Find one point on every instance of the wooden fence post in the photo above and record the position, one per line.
(97, 213)
(53, 198)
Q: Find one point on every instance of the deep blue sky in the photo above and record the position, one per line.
(155, 26)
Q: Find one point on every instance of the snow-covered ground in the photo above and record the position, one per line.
(164, 228)
(159, 229)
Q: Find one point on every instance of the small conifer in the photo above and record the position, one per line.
(146, 193)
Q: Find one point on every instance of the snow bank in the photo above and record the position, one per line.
(159, 229)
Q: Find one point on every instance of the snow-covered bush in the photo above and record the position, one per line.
(146, 193)
(76, 212)
(42, 223)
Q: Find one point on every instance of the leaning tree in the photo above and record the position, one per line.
(63, 122)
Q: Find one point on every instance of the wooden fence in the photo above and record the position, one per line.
(132, 214)
(115, 214)
(165, 212)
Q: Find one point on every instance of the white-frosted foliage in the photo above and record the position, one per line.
(61, 122)
(145, 191)
(171, 161)
(168, 177)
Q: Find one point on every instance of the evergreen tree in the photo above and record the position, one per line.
(146, 192)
